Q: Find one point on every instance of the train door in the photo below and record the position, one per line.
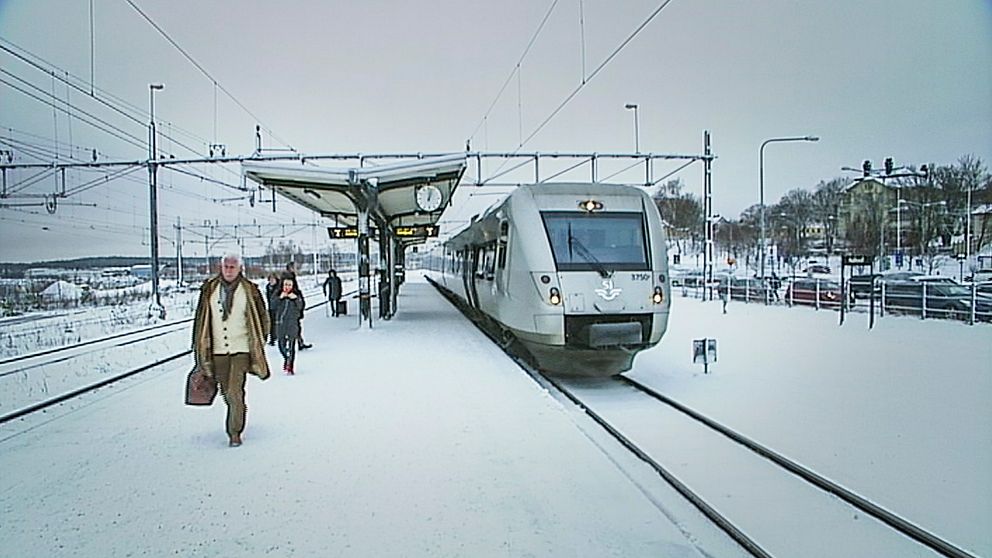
(476, 272)
(502, 278)
(469, 257)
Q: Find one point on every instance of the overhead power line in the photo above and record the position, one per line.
(48, 68)
(588, 79)
(516, 69)
(206, 73)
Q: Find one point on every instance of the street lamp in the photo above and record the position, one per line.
(637, 141)
(153, 198)
(761, 186)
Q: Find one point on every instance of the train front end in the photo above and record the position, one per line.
(607, 295)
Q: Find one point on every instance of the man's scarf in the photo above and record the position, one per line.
(227, 297)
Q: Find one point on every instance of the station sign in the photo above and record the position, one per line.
(414, 231)
(417, 231)
(856, 259)
(347, 232)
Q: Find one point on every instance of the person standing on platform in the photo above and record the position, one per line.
(229, 331)
(332, 290)
(288, 309)
(291, 271)
(271, 295)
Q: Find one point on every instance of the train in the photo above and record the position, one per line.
(572, 275)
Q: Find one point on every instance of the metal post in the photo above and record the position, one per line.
(967, 226)
(637, 133)
(708, 208)
(179, 251)
(761, 188)
(153, 199)
(898, 225)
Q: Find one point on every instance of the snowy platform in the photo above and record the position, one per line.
(415, 438)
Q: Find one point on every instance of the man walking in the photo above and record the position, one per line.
(332, 290)
(229, 331)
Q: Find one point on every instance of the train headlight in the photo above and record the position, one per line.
(555, 297)
(658, 295)
(590, 205)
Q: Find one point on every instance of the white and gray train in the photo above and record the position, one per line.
(576, 273)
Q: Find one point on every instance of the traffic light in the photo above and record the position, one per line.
(866, 167)
(888, 165)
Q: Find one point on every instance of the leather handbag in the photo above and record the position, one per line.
(200, 390)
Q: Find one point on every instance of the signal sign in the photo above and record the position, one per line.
(417, 231)
(414, 231)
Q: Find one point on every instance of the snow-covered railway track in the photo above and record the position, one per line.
(121, 338)
(900, 524)
(38, 381)
(731, 482)
(817, 516)
(46, 403)
(49, 357)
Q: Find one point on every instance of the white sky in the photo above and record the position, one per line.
(368, 452)
(876, 78)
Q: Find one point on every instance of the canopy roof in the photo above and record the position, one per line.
(387, 191)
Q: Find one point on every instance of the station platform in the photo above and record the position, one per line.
(418, 437)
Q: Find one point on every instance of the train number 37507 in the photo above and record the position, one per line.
(640, 276)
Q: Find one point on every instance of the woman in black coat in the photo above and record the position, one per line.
(288, 308)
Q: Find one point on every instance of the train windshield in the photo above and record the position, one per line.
(601, 242)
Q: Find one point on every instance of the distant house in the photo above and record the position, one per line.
(62, 291)
(143, 271)
(868, 200)
(981, 228)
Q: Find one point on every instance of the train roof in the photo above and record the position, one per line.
(484, 225)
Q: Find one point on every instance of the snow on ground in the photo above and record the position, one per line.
(900, 414)
(417, 438)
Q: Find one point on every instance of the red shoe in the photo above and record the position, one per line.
(289, 370)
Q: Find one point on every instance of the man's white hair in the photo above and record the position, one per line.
(232, 257)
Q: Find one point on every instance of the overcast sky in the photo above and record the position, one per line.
(909, 79)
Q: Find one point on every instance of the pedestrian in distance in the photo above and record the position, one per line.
(332, 290)
(291, 271)
(271, 295)
(774, 284)
(288, 309)
(229, 331)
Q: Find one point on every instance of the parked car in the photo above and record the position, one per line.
(817, 268)
(818, 292)
(745, 288)
(943, 300)
(692, 279)
(981, 275)
(984, 288)
(860, 285)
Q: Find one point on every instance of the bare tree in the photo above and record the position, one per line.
(826, 208)
(681, 212)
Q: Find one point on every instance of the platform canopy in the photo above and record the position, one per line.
(387, 192)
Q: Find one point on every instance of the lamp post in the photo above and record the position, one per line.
(761, 187)
(637, 141)
(153, 198)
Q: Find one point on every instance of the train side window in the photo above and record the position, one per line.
(490, 263)
(504, 234)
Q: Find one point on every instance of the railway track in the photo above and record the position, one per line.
(784, 472)
(589, 396)
(37, 362)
